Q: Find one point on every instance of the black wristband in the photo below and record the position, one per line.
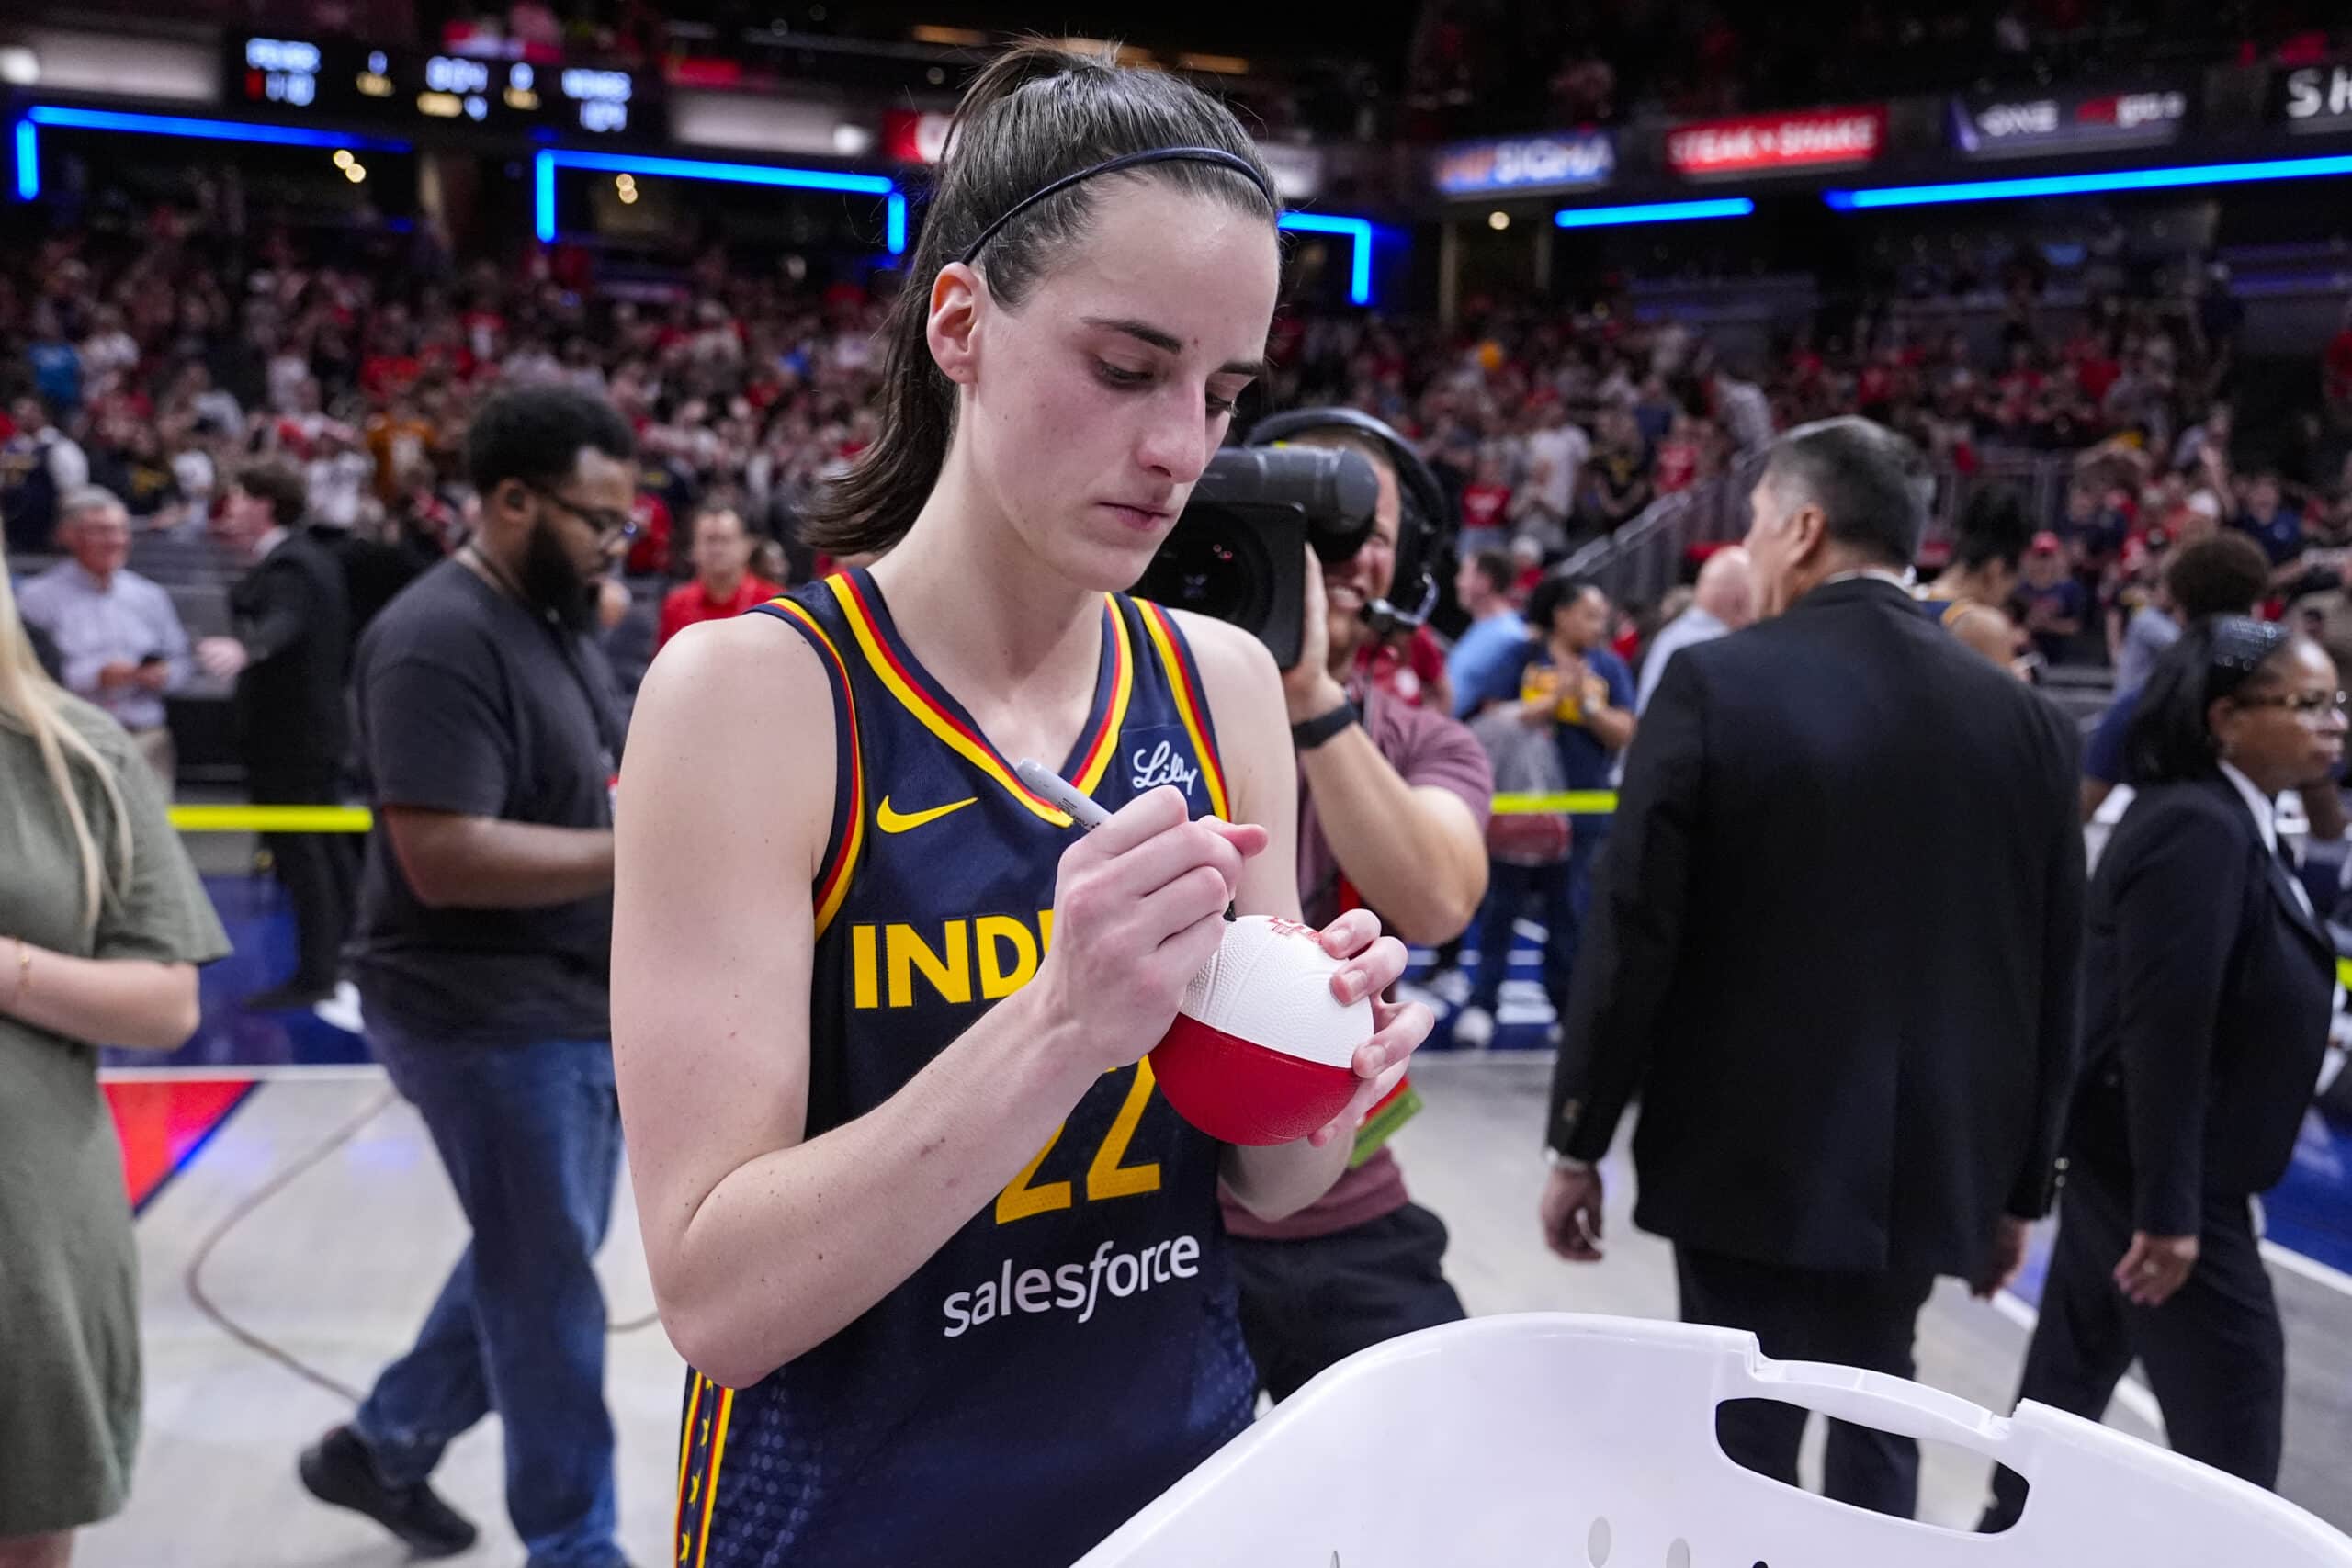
(1314, 731)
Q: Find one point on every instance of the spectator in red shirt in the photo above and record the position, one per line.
(1677, 456)
(2335, 375)
(1527, 556)
(1410, 669)
(649, 554)
(1486, 504)
(724, 584)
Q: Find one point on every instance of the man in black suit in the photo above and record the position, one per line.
(291, 650)
(374, 571)
(1833, 947)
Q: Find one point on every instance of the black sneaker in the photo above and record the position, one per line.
(292, 997)
(339, 1470)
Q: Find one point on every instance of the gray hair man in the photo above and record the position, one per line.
(117, 635)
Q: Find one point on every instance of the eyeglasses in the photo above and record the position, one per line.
(609, 525)
(2309, 706)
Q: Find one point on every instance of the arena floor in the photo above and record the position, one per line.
(336, 1266)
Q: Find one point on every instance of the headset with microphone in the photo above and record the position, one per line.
(1421, 527)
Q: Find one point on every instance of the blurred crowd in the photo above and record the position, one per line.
(155, 367)
(1551, 427)
(157, 363)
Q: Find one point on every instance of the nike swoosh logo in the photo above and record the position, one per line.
(890, 821)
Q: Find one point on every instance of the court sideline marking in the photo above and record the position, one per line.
(2310, 1268)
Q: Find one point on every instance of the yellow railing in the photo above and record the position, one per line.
(1573, 803)
(272, 819)
(358, 819)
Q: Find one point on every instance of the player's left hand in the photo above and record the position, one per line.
(1374, 964)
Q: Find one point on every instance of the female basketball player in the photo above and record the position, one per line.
(950, 1274)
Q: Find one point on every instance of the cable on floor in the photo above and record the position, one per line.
(192, 1277)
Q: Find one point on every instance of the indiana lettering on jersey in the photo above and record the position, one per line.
(1076, 1288)
(970, 959)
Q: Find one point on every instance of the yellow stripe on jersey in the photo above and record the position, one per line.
(686, 1454)
(957, 741)
(1189, 704)
(1114, 716)
(833, 886)
(972, 747)
(710, 1484)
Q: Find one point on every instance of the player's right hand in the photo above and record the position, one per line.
(1139, 908)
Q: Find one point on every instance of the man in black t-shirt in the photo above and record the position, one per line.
(490, 733)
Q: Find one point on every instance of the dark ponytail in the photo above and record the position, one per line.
(1033, 115)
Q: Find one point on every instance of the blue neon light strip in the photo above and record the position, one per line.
(543, 195)
(1357, 229)
(28, 162)
(202, 129)
(2081, 185)
(1651, 213)
(734, 173)
(543, 191)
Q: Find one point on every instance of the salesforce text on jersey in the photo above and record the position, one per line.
(1073, 1287)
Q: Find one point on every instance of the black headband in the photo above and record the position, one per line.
(1217, 155)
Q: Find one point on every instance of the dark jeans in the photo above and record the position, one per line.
(1561, 893)
(1805, 1314)
(531, 1138)
(2214, 1353)
(1306, 1305)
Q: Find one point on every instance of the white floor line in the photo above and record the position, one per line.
(2294, 1262)
(347, 1072)
(1511, 1055)
(2310, 1268)
(2131, 1393)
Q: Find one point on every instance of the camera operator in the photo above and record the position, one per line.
(1393, 805)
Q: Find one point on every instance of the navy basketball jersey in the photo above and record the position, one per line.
(1943, 612)
(1074, 1350)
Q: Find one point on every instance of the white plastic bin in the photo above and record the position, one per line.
(1561, 1441)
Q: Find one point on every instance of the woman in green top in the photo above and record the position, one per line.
(102, 922)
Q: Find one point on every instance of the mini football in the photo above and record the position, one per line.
(1262, 1052)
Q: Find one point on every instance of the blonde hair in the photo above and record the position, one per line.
(32, 705)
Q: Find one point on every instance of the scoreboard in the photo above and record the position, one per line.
(339, 79)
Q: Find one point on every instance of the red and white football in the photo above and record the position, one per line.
(1262, 1052)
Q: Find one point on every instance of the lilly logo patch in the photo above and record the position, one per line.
(1163, 765)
